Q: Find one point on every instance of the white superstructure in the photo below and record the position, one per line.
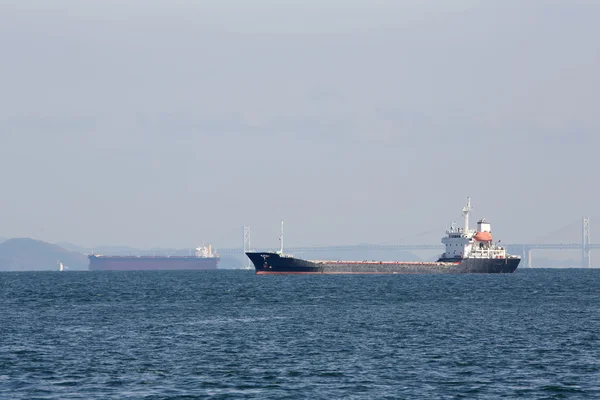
(204, 251)
(466, 243)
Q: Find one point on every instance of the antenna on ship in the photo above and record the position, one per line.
(466, 211)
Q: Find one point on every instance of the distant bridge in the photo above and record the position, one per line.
(237, 250)
(391, 247)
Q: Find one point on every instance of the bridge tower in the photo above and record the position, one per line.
(586, 261)
(247, 246)
(526, 256)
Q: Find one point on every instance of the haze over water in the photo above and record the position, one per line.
(232, 334)
(165, 124)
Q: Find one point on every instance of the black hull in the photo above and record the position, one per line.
(273, 263)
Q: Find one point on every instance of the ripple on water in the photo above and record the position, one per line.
(231, 334)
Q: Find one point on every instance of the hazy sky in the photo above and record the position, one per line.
(167, 123)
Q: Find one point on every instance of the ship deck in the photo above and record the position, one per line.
(336, 262)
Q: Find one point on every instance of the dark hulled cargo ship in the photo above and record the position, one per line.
(467, 251)
(204, 259)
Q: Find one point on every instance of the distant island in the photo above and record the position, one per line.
(24, 254)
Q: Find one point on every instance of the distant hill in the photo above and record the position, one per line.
(24, 254)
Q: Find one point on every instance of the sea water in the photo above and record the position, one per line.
(233, 334)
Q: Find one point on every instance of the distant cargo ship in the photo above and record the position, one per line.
(467, 251)
(204, 259)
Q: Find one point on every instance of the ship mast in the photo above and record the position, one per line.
(281, 238)
(466, 211)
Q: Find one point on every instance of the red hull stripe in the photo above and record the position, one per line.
(332, 273)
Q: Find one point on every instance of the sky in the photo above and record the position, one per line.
(170, 123)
